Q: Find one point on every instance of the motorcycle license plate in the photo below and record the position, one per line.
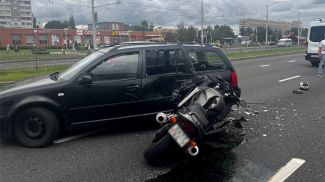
(179, 135)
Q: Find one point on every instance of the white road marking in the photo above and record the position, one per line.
(287, 170)
(265, 65)
(286, 79)
(292, 61)
(61, 140)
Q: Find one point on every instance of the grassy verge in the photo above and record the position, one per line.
(21, 74)
(27, 55)
(261, 53)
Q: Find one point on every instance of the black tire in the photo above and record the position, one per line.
(158, 152)
(35, 127)
(314, 63)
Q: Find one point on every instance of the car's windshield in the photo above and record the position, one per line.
(75, 68)
(317, 33)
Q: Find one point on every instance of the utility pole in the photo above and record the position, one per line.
(299, 28)
(202, 22)
(267, 22)
(94, 26)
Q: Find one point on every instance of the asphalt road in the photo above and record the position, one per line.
(287, 126)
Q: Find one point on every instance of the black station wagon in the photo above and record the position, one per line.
(117, 82)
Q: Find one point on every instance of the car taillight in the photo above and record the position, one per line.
(234, 80)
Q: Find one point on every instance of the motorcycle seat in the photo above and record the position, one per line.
(200, 114)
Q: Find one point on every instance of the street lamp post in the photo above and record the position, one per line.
(94, 19)
(94, 26)
(202, 21)
(66, 38)
(266, 27)
(299, 24)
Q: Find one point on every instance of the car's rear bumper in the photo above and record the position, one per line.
(312, 57)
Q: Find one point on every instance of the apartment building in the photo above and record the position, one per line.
(16, 13)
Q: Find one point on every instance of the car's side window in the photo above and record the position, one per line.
(157, 63)
(176, 58)
(207, 60)
(122, 66)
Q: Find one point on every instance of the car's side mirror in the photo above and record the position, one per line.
(86, 80)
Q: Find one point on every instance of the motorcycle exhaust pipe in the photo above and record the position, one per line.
(193, 150)
(161, 118)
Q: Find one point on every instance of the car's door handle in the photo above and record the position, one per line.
(132, 87)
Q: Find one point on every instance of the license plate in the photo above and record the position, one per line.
(314, 56)
(179, 135)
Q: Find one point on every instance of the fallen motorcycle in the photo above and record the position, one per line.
(201, 118)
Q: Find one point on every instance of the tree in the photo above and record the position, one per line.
(65, 24)
(261, 34)
(54, 24)
(181, 32)
(223, 31)
(190, 34)
(304, 32)
(71, 23)
(151, 26)
(170, 36)
(35, 23)
(144, 25)
(246, 31)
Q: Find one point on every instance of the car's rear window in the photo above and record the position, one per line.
(207, 60)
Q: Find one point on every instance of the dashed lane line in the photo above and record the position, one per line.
(265, 65)
(287, 170)
(286, 79)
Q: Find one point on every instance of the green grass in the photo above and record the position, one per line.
(21, 74)
(26, 55)
(261, 53)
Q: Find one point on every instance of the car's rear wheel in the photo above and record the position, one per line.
(160, 150)
(35, 127)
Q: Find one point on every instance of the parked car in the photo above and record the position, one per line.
(113, 83)
(285, 42)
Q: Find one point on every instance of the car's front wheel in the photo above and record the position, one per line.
(35, 127)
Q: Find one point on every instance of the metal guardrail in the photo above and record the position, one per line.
(25, 59)
(34, 64)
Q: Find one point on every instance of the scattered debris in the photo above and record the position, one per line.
(298, 91)
(304, 85)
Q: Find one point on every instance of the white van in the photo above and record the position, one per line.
(316, 33)
(285, 42)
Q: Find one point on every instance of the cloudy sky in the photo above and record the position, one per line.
(170, 12)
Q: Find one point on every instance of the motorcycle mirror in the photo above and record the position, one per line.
(242, 102)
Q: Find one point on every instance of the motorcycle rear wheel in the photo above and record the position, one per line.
(159, 151)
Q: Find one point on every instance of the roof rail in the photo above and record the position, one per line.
(141, 43)
(194, 43)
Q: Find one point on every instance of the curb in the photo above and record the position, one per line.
(6, 83)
